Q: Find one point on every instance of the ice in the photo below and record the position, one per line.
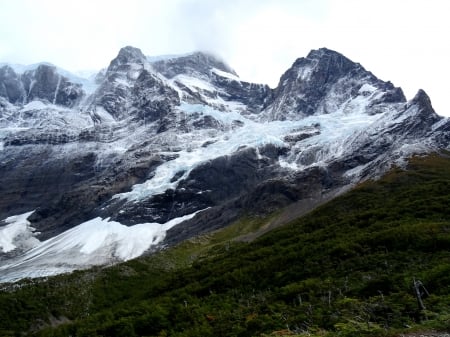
(123, 82)
(94, 242)
(225, 74)
(251, 134)
(337, 132)
(194, 83)
(367, 88)
(157, 58)
(16, 232)
(34, 105)
(226, 117)
(57, 89)
(304, 73)
(440, 123)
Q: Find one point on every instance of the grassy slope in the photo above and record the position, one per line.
(345, 269)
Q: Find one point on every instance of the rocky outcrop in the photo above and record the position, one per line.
(42, 83)
(198, 64)
(11, 86)
(322, 83)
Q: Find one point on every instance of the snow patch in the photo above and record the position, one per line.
(225, 74)
(94, 242)
(157, 58)
(34, 105)
(367, 88)
(304, 73)
(194, 83)
(17, 232)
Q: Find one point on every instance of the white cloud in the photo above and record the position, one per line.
(404, 41)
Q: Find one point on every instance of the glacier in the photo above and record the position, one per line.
(94, 242)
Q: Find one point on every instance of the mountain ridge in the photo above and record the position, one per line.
(184, 138)
(307, 277)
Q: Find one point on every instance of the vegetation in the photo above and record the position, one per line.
(346, 269)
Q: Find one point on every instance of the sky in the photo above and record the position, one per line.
(402, 41)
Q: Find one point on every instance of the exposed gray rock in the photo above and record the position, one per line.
(11, 86)
(321, 83)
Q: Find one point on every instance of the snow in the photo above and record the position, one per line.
(104, 115)
(225, 74)
(337, 131)
(333, 135)
(45, 117)
(367, 88)
(304, 73)
(251, 134)
(123, 82)
(440, 123)
(157, 58)
(57, 89)
(339, 127)
(17, 229)
(226, 117)
(85, 78)
(94, 242)
(34, 105)
(194, 83)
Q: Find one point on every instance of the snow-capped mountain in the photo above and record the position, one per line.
(155, 150)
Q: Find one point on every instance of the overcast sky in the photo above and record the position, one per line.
(403, 41)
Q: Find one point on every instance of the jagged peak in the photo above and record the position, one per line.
(213, 60)
(323, 52)
(128, 55)
(322, 66)
(423, 101)
(324, 57)
(131, 52)
(6, 69)
(45, 67)
(196, 62)
(422, 98)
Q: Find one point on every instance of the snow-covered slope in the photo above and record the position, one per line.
(169, 147)
(94, 242)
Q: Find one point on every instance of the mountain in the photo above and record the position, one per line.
(352, 267)
(165, 149)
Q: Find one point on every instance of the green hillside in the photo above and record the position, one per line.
(346, 269)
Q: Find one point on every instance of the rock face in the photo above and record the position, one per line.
(323, 82)
(11, 86)
(42, 83)
(163, 149)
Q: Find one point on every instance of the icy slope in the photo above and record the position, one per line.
(95, 242)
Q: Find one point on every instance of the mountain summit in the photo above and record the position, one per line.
(159, 150)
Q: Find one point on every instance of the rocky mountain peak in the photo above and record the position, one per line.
(7, 70)
(127, 56)
(11, 86)
(322, 66)
(423, 100)
(195, 64)
(326, 81)
(43, 83)
(425, 111)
